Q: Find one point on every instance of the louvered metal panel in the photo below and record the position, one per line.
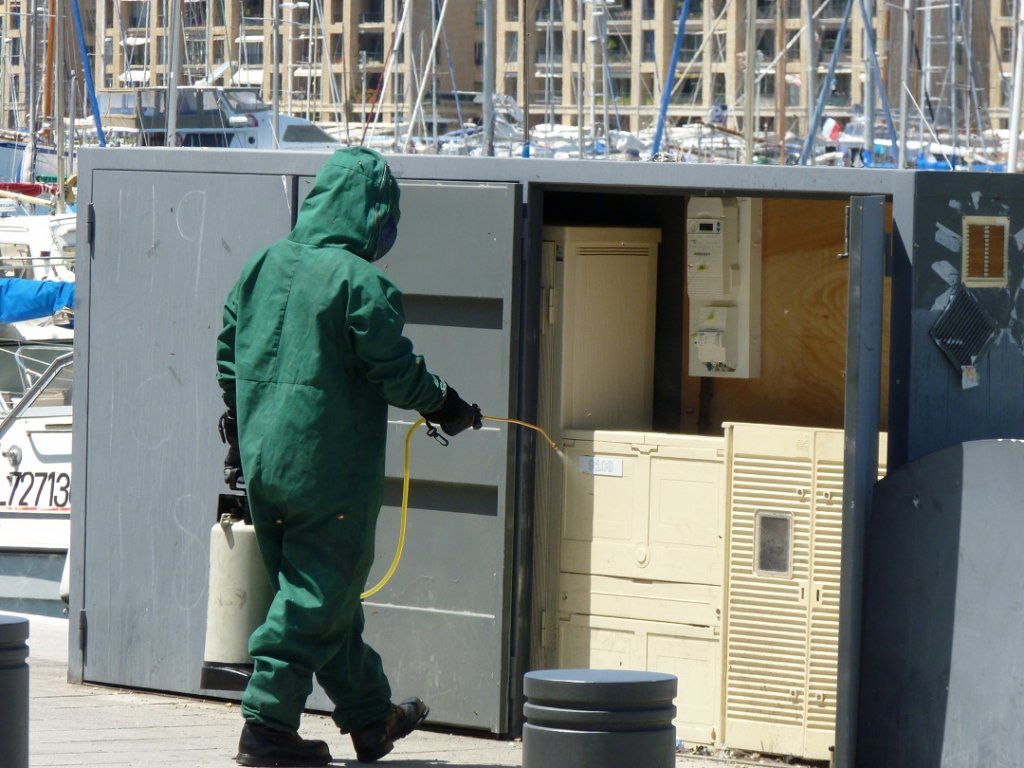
(767, 616)
(826, 557)
(782, 634)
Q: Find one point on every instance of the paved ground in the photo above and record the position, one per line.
(90, 725)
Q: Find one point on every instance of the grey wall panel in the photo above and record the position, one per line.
(168, 245)
(167, 248)
(942, 683)
(941, 412)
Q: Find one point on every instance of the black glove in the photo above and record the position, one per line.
(228, 426)
(455, 414)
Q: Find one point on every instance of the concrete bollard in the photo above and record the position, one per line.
(13, 692)
(598, 718)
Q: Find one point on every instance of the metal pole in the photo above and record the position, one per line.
(60, 94)
(808, 46)
(748, 83)
(860, 460)
(869, 80)
(579, 75)
(275, 71)
(908, 25)
(953, 119)
(489, 74)
(31, 91)
(73, 115)
(593, 40)
(290, 65)
(1018, 85)
(602, 26)
(362, 78)
(172, 76)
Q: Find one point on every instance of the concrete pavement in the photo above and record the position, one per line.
(93, 725)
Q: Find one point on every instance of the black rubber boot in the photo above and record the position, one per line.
(375, 740)
(264, 746)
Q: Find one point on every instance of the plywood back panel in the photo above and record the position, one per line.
(803, 327)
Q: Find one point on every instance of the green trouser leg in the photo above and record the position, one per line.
(319, 561)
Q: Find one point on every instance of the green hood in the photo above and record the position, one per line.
(352, 197)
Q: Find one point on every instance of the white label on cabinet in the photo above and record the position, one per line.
(608, 466)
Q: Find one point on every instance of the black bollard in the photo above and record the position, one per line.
(598, 718)
(13, 692)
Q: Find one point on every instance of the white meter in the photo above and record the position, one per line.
(723, 283)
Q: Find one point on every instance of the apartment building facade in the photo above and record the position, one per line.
(573, 62)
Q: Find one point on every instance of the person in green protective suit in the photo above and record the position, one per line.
(311, 354)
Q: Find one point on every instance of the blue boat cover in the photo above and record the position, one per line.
(23, 299)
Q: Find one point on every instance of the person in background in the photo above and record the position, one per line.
(311, 354)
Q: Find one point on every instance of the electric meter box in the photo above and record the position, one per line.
(723, 284)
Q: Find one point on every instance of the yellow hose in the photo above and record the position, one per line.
(405, 496)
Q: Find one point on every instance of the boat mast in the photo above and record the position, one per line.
(868, 33)
(811, 53)
(57, 58)
(172, 76)
(489, 75)
(748, 82)
(31, 92)
(48, 85)
(908, 24)
(1018, 85)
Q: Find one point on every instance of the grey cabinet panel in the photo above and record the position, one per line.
(168, 245)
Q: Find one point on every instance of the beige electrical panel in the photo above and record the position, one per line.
(600, 286)
(642, 563)
(781, 622)
(645, 506)
(692, 653)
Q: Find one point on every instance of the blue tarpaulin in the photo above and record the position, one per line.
(22, 299)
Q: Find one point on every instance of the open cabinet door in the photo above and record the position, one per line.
(162, 256)
(868, 246)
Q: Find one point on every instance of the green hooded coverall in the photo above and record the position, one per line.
(311, 354)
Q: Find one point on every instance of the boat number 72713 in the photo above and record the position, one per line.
(37, 490)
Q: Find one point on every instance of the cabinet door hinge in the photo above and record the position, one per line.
(90, 218)
(83, 631)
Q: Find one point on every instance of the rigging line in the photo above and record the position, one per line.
(927, 94)
(432, 58)
(388, 70)
(926, 122)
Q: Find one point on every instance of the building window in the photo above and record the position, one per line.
(648, 45)
(1006, 43)
(549, 11)
(511, 10)
(691, 42)
(337, 11)
(373, 44)
(718, 87)
(511, 47)
(478, 54)
(622, 90)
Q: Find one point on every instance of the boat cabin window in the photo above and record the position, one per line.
(306, 134)
(22, 365)
(15, 260)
